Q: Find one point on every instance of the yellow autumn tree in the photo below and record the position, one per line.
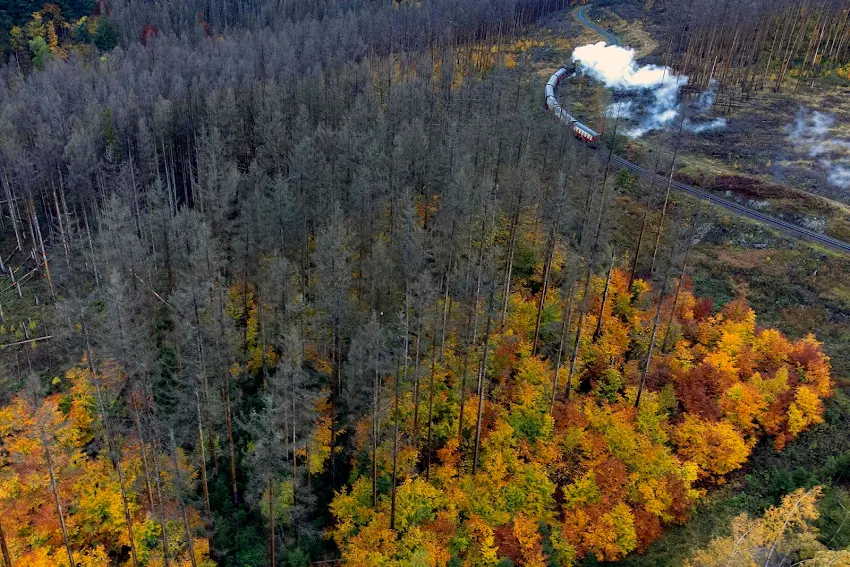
(786, 531)
(716, 447)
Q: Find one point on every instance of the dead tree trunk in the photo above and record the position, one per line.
(598, 332)
(482, 381)
(565, 328)
(7, 559)
(547, 270)
(666, 197)
(395, 407)
(49, 461)
(656, 321)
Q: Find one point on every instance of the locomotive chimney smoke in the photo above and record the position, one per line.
(616, 68)
(810, 133)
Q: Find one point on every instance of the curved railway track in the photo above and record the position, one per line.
(784, 226)
(581, 16)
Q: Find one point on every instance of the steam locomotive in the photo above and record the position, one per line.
(580, 131)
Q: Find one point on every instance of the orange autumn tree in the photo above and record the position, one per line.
(61, 498)
(590, 474)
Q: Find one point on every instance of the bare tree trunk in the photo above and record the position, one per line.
(158, 484)
(447, 301)
(145, 467)
(295, 467)
(598, 332)
(203, 459)
(375, 382)
(95, 271)
(470, 343)
(431, 402)
(56, 497)
(41, 247)
(7, 559)
(228, 417)
(395, 407)
(482, 381)
(582, 312)
(416, 382)
(547, 269)
(666, 197)
(565, 327)
(272, 561)
(190, 542)
(509, 270)
(679, 283)
(645, 219)
(61, 223)
(657, 319)
(11, 202)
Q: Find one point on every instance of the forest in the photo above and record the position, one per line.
(291, 283)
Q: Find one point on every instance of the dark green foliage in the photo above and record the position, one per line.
(105, 38)
(837, 469)
(110, 135)
(524, 261)
(626, 181)
(528, 425)
(297, 558)
(834, 521)
(610, 384)
(80, 34)
(239, 537)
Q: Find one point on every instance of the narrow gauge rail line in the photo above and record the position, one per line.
(581, 15)
(789, 228)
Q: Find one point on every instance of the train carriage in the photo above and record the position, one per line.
(580, 131)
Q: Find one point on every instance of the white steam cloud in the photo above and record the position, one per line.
(624, 109)
(700, 127)
(810, 133)
(616, 68)
(839, 176)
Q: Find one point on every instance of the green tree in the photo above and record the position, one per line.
(40, 52)
(105, 38)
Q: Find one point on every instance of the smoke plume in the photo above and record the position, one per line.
(616, 68)
(810, 133)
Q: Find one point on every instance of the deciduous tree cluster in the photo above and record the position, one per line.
(593, 473)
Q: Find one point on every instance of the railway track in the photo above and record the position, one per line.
(787, 227)
(784, 226)
(581, 16)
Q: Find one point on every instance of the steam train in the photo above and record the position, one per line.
(580, 131)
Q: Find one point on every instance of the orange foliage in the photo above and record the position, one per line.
(86, 483)
(593, 475)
